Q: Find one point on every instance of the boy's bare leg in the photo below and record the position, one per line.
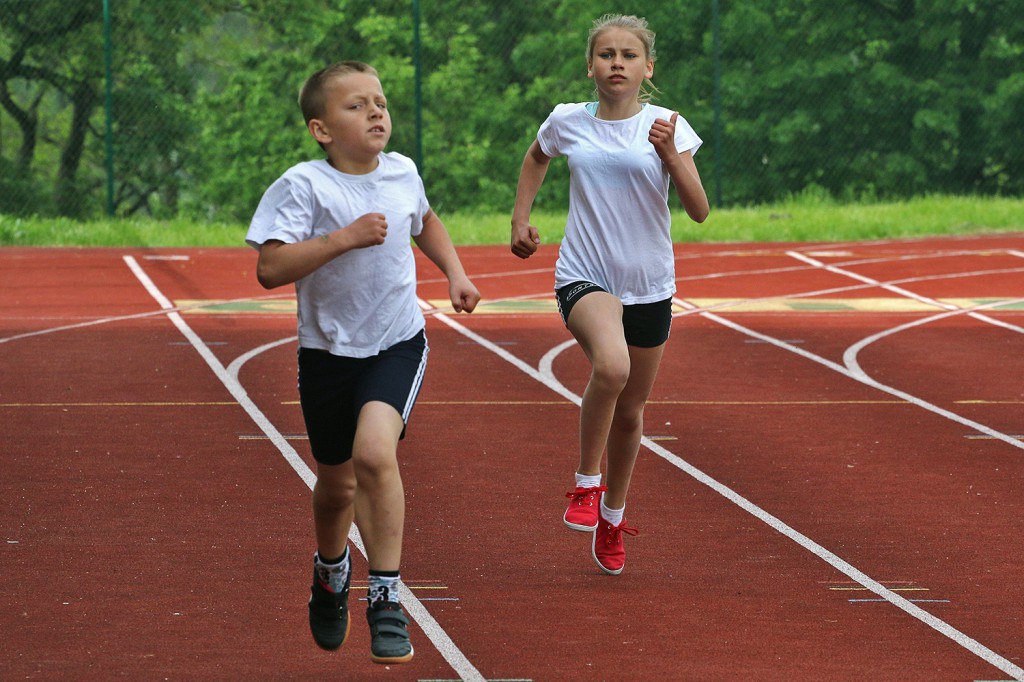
(596, 322)
(333, 511)
(628, 423)
(380, 497)
(380, 516)
(333, 507)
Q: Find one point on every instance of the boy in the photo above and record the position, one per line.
(339, 229)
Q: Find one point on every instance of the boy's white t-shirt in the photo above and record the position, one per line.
(618, 232)
(363, 301)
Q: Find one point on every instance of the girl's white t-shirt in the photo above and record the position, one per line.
(363, 301)
(618, 232)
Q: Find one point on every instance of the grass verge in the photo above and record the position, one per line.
(801, 219)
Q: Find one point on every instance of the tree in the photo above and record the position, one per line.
(34, 81)
(885, 98)
(55, 97)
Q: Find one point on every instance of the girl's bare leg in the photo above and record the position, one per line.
(596, 322)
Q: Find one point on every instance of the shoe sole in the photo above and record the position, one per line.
(384, 660)
(576, 526)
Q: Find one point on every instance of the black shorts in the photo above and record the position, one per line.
(645, 325)
(333, 389)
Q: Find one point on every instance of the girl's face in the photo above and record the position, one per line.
(356, 124)
(619, 64)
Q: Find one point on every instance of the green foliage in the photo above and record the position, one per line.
(879, 99)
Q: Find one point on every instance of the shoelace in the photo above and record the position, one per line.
(614, 536)
(581, 496)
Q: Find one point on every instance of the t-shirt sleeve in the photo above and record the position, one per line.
(285, 213)
(549, 135)
(687, 139)
(412, 189)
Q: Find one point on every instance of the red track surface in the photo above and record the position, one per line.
(815, 501)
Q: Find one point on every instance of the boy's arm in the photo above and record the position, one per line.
(280, 263)
(525, 237)
(436, 244)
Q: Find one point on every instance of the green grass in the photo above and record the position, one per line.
(803, 218)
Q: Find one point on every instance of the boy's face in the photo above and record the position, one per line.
(356, 125)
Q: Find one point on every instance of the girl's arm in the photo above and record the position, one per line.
(689, 189)
(681, 169)
(280, 263)
(525, 237)
(436, 244)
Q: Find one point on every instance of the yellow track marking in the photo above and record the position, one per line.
(547, 305)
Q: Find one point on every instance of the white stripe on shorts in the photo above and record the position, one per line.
(417, 382)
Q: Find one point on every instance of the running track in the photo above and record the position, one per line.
(829, 488)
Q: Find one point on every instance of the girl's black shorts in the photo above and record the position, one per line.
(333, 389)
(646, 325)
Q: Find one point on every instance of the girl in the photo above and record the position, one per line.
(615, 274)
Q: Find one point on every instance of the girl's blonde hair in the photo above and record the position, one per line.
(638, 27)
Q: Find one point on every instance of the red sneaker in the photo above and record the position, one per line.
(582, 514)
(608, 550)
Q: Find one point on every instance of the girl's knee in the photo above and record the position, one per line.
(611, 372)
(628, 418)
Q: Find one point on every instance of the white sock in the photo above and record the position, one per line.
(584, 481)
(612, 516)
(333, 576)
(383, 588)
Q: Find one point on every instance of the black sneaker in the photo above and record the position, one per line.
(389, 634)
(328, 613)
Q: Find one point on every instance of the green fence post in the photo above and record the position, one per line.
(419, 83)
(109, 106)
(717, 100)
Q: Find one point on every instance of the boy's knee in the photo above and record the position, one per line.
(335, 494)
(375, 463)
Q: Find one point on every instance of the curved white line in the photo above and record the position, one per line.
(829, 557)
(851, 362)
(547, 361)
(431, 628)
(850, 356)
(546, 377)
(236, 365)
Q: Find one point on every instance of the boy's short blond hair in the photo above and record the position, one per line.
(312, 99)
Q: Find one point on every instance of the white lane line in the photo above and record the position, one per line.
(724, 305)
(904, 292)
(431, 628)
(850, 356)
(545, 377)
(80, 325)
(851, 361)
(854, 372)
(121, 318)
(842, 565)
(800, 268)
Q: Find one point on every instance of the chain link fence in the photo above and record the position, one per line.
(180, 108)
